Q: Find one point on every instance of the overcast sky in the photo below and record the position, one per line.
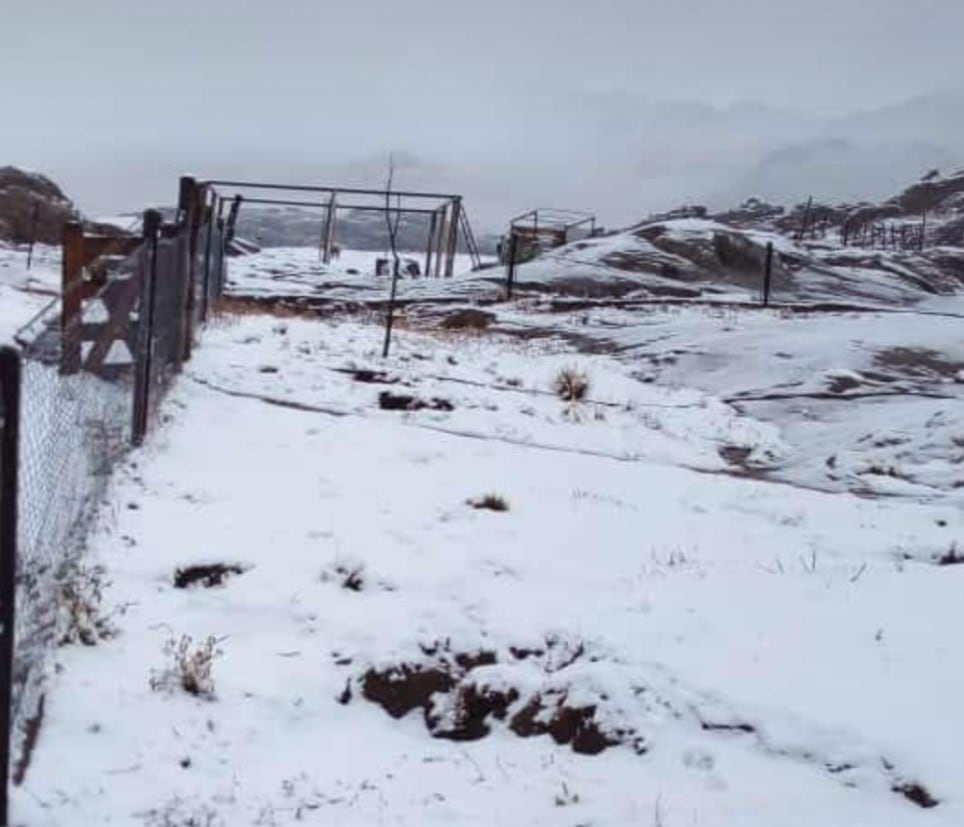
(503, 99)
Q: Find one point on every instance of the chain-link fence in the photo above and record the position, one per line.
(93, 369)
(76, 424)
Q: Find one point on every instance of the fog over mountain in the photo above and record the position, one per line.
(624, 107)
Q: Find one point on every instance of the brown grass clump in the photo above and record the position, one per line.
(571, 385)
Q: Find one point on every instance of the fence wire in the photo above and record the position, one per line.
(91, 384)
(74, 429)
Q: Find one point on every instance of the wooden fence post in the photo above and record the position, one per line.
(71, 302)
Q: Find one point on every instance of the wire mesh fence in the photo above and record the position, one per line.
(76, 425)
(92, 372)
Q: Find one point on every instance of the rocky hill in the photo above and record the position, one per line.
(934, 205)
(901, 251)
(34, 208)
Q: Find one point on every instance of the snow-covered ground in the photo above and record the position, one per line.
(25, 292)
(299, 272)
(724, 581)
(763, 652)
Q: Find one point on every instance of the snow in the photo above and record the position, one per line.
(23, 292)
(674, 592)
(299, 271)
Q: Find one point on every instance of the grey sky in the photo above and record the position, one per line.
(504, 100)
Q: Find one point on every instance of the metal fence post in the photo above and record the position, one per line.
(9, 466)
(148, 275)
(33, 233)
(452, 242)
(510, 265)
(767, 272)
(209, 240)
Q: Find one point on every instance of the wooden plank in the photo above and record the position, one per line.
(119, 298)
(71, 304)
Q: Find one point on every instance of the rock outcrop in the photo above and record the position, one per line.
(32, 207)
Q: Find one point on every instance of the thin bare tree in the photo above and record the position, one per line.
(392, 220)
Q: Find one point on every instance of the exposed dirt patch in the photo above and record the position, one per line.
(466, 716)
(467, 318)
(918, 363)
(374, 377)
(207, 575)
(711, 726)
(460, 702)
(400, 689)
(490, 502)
(951, 557)
(916, 794)
(576, 725)
(842, 383)
(735, 454)
(389, 401)
(737, 457)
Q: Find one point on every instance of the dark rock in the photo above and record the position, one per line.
(207, 574)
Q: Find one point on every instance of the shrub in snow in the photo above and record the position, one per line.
(571, 385)
(348, 574)
(80, 592)
(566, 797)
(181, 813)
(190, 667)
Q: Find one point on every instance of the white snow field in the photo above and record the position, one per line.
(25, 292)
(700, 606)
(762, 653)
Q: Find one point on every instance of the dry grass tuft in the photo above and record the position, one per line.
(190, 668)
(571, 385)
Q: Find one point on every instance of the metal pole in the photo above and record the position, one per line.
(432, 223)
(9, 465)
(767, 272)
(510, 265)
(330, 219)
(453, 239)
(209, 212)
(148, 269)
(343, 190)
(806, 219)
(443, 218)
(33, 233)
